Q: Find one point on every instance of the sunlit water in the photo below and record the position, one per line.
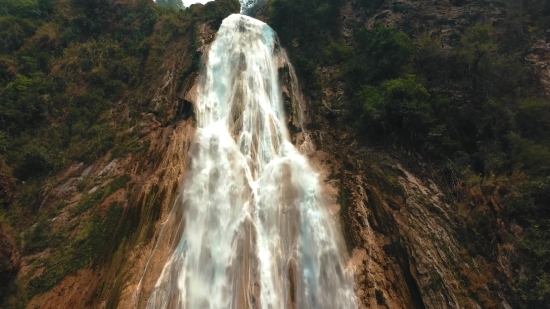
(254, 233)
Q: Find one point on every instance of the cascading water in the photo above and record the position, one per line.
(253, 233)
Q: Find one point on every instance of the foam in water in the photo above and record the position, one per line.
(254, 232)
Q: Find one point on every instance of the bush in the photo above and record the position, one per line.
(338, 52)
(35, 162)
(382, 53)
(533, 119)
(530, 156)
(399, 107)
(22, 103)
(306, 27)
(429, 58)
(13, 33)
(35, 9)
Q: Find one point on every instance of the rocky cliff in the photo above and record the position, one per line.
(407, 228)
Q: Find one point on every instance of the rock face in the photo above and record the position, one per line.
(399, 230)
(401, 241)
(397, 223)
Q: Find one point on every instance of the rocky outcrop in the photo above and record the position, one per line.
(399, 230)
(401, 239)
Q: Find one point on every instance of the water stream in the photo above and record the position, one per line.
(254, 233)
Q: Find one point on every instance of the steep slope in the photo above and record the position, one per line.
(426, 121)
(420, 106)
(109, 149)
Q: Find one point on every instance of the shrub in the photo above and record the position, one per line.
(382, 53)
(35, 162)
(533, 119)
(399, 107)
(22, 103)
(13, 32)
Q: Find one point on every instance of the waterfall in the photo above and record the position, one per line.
(254, 233)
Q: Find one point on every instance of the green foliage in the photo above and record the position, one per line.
(35, 9)
(371, 4)
(429, 58)
(538, 12)
(533, 119)
(310, 23)
(305, 28)
(530, 156)
(338, 52)
(474, 108)
(98, 46)
(477, 51)
(36, 238)
(22, 103)
(399, 107)
(13, 33)
(88, 247)
(528, 205)
(133, 146)
(382, 53)
(214, 11)
(35, 161)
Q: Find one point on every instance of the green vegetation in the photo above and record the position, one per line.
(89, 245)
(306, 27)
(66, 70)
(54, 116)
(382, 53)
(77, 244)
(474, 111)
(100, 195)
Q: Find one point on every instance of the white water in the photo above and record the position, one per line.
(255, 234)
